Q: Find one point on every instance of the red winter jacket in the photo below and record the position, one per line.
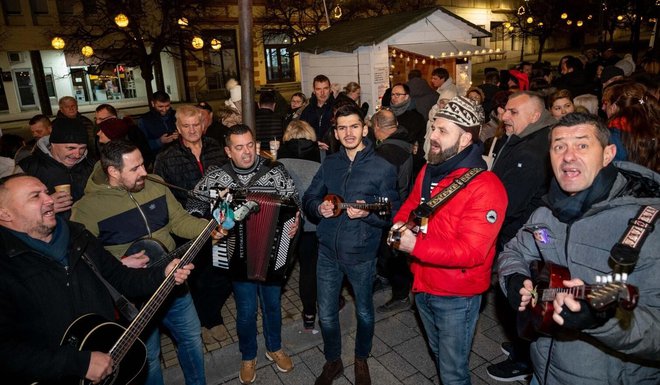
(455, 256)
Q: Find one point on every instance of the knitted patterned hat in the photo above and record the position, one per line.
(461, 111)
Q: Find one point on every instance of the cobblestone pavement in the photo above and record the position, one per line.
(399, 354)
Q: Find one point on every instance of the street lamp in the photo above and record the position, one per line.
(569, 22)
(580, 23)
(564, 16)
(216, 44)
(197, 42)
(57, 42)
(530, 20)
(182, 22)
(121, 20)
(87, 51)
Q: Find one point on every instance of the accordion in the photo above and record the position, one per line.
(259, 248)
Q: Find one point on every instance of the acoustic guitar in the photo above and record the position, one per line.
(92, 332)
(382, 205)
(607, 292)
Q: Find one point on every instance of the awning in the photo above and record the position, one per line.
(446, 49)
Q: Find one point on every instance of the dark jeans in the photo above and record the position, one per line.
(507, 317)
(393, 265)
(308, 252)
(329, 277)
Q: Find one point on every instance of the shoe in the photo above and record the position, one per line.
(331, 370)
(362, 376)
(248, 373)
(308, 321)
(219, 332)
(281, 359)
(509, 371)
(507, 348)
(380, 283)
(394, 304)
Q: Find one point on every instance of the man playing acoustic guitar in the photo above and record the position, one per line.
(348, 242)
(453, 252)
(46, 285)
(591, 204)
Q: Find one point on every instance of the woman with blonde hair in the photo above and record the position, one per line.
(353, 91)
(299, 142)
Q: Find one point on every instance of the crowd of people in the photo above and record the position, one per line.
(439, 195)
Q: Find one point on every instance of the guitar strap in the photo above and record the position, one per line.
(125, 307)
(424, 210)
(625, 253)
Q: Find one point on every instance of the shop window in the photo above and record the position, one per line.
(39, 7)
(279, 61)
(11, 7)
(221, 65)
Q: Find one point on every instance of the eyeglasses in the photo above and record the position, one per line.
(398, 94)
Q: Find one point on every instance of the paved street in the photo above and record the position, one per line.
(399, 354)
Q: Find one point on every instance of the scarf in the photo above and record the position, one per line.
(400, 108)
(569, 208)
(58, 247)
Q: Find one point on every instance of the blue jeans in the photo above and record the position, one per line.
(449, 323)
(245, 295)
(329, 276)
(182, 322)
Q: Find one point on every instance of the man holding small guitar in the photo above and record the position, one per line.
(348, 240)
(122, 206)
(449, 225)
(594, 210)
(46, 285)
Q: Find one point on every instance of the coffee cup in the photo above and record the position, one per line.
(63, 187)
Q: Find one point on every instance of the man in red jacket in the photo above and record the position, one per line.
(453, 251)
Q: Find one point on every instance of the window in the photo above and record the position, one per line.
(50, 83)
(221, 65)
(12, 7)
(279, 61)
(39, 7)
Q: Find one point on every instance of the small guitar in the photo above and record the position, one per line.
(417, 221)
(92, 332)
(537, 318)
(382, 205)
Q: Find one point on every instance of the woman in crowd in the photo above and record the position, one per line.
(297, 104)
(353, 90)
(560, 103)
(634, 121)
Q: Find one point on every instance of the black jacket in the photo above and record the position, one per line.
(39, 298)
(320, 118)
(396, 150)
(177, 165)
(523, 166)
(300, 149)
(53, 173)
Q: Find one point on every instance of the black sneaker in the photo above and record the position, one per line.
(507, 348)
(394, 304)
(308, 321)
(509, 371)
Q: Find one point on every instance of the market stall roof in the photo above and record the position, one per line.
(445, 49)
(349, 35)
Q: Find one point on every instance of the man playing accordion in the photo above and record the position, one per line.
(253, 177)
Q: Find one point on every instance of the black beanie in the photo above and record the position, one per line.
(67, 130)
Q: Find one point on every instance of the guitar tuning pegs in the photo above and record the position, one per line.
(617, 277)
(610, 279)
(624, 277)
(599, 279)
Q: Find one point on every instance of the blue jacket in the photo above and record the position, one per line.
(153, 125)
(352, 241)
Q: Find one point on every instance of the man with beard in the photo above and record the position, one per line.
(121, 206)
(46, 286)
(453, 252)
(348, 242)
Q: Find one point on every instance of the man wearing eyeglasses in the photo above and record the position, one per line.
(407, 116)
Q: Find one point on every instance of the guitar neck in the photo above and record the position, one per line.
(151, 307)
(579, 292)
(362, 206)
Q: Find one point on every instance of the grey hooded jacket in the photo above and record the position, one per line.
(626, 349)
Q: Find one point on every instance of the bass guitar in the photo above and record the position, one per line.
(382, 205)
(92, 332)
(607, 292)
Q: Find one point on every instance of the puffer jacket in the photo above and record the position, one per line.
(626, 349)
(352, 241)
(116, 215)
(177, 165)
(40, 298)
(455, 256)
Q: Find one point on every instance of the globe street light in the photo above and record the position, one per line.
(121, 20)
(197, 42)
(87, 51)
(57, 42)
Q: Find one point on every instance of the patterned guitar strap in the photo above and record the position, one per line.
(625, 253)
